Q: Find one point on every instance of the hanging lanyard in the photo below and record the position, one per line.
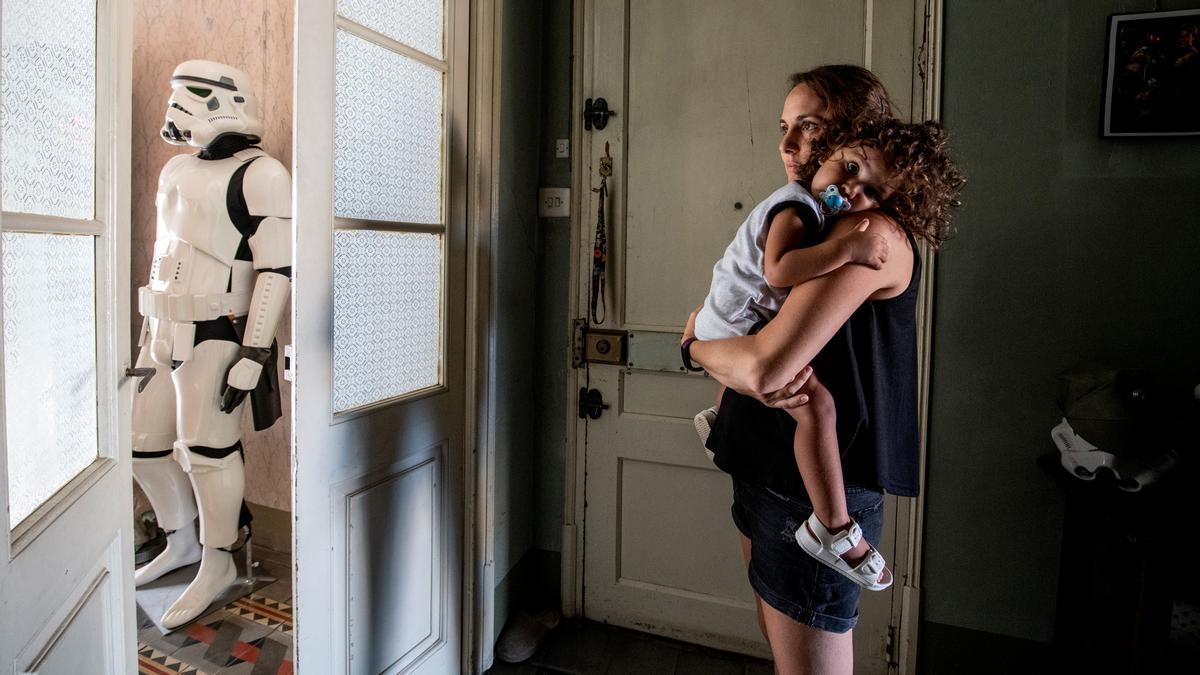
(600, 248)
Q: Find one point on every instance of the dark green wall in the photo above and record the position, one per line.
(532, 257)
(1061, 258)
(514, 262)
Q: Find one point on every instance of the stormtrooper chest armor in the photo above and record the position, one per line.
(195, 275)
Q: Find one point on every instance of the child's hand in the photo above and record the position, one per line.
(866, 248)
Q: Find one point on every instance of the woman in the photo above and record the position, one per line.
(806, 610)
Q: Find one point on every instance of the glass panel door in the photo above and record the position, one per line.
(49, 252)
(390, 169)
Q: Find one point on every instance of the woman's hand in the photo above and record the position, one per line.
(689, 330)
(792, 395)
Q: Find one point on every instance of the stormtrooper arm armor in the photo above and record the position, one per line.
(268, 194)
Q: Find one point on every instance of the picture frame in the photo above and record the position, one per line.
(1152, 75)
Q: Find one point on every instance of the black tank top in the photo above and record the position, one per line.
(870, 368)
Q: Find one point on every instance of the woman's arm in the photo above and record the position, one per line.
(768, 361)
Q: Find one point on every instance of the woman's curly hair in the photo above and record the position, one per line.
(925, 180)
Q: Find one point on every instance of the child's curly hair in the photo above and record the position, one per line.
(925, 181)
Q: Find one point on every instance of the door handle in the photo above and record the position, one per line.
(144, 373)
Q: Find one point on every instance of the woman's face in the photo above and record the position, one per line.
(803, 119)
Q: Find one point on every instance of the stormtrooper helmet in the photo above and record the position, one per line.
(210, 100)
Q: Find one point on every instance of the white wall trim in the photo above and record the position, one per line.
(479, 596)
(571, 560)
(929, 64)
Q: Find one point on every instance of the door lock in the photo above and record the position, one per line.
(591, 403)
(596, 114)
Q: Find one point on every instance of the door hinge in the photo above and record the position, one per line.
(598, 345)
(591, 403)
(890, 647)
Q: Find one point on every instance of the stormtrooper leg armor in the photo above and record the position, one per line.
(155, 470)
(208, 450)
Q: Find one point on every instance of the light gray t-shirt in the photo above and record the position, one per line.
(740, 296)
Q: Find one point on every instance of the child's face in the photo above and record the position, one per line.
(861, 174)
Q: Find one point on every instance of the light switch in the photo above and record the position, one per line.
(554, 202)
(562, 148)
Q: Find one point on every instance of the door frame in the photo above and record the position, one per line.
(927, 67)
(483, 217)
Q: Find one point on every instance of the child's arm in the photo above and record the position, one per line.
(787, 263)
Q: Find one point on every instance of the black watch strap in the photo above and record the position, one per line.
(685, 353)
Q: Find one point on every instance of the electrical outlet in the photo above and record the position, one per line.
(554, 202)
(562, 148)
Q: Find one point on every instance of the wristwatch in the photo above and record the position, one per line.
(685, 352)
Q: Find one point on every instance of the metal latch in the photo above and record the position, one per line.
(596, 114)
(599, 345)
(591, 403)
(144, 373)
(289, 363)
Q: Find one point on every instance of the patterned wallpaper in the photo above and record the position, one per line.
(256, 36)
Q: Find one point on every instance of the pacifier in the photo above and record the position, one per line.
(832, 201)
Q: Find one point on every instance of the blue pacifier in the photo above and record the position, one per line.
(832, 201)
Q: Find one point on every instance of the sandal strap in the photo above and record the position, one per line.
(871, 566)
(846, 539)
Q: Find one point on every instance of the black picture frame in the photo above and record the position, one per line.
(1152, 75)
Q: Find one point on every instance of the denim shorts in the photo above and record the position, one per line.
(786, 577)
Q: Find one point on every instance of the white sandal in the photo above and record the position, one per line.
(827, 547)
(703, 421)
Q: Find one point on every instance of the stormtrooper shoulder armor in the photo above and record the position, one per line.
(267, 188)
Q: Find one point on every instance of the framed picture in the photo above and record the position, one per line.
(1152, 75)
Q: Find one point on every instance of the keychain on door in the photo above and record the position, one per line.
(600, 249)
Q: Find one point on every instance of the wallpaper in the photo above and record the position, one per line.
(256, 36)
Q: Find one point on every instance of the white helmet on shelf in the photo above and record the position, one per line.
(210, 100)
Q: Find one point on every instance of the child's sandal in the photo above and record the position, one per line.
(827, 547)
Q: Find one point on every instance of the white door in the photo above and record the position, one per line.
(66, 561)
(379, 334)
(697, 89)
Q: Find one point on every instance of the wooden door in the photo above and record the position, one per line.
(697, 88)
(378, 325)
(66, 557)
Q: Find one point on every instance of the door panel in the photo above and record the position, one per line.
(694, 145)
(66, 543)
(379, 313)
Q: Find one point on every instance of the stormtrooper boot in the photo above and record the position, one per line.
(218, 484)
(170, 493)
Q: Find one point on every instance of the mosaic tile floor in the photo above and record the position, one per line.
(249, 636)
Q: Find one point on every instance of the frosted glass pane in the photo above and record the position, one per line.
(49, 107)
(388, 135)
(416, 23)
(387, 315)
(49, 364)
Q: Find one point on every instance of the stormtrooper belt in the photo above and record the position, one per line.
(191, 308)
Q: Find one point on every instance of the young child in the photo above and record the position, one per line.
(899, 168)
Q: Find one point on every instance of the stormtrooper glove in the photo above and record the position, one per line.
(243, 376)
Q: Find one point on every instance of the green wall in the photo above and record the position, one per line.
(514, 261)
(1061, 259)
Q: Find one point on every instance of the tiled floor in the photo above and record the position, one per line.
(582, 647)
(250, 636)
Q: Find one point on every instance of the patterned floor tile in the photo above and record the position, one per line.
(154, 662)
(250, 636)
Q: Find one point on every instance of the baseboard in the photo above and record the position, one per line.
(953, 650)
(272, 528)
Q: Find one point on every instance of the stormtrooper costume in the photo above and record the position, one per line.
(219, 281)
